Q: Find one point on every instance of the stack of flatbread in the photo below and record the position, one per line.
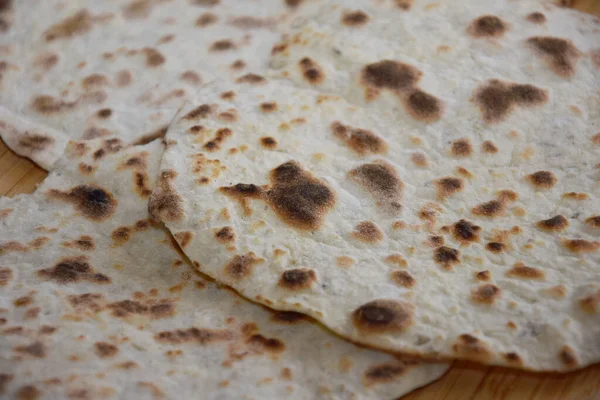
(309, 199)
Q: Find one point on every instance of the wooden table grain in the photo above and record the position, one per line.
(465, 380)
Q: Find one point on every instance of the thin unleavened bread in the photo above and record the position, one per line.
(461, 69)
(477, 247)
(96, 303)
(120, 69)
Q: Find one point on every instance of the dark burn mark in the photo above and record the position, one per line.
(590, 304)
(202, 111)
(77, 24)
(94, 80)
(165, 204)
(383, 183)
(121, 235)
(560, 55)
(201, 336)
(268, 142)
(486, 294)
(220, 136)
(156, 310)
(109, 146)
(14, 330)
(423, 106)
(568, 357)
(73, 270)
(513, 358)
(28, 392)
(141, 184)
(359, 140)
(260, 344)
(241, 266)
(87, 302)
(5, 379)
(383, 373)
(461, 148)
(225, 235)
(488, 26)
(138, 9)
(93, 202)
(311, 71)
(507, 196)
(419, 159)
(12, 246)
(287, 317)
(6, 6)
(527, 95)
(435, 241)
(520, 270)
(368, 232)
(495, 247)
(23, 301)
(496, 99)
(252, 79)
(483, 276)
(297, 279)
(554, 224)
(191, 77)
(293, 3)
(153, 57)
(222, 45)
(297, 197)
(243, 192)
(355, 18)
(205, 3)
(403, 278)
(593, 221)
(6, 275)
(536, 17)
(404, 5)
(183, 238)
(268, 107)
(383, 316)
(47, 330)
(36, 349)
(470, 347)
(238, 65)
(542, 179)
(206, 19)
(151, 137)
(493, 208)
(448, 186)
(105, 350)
(446, 257)
(34, 143)
(45, 104)
(390, 75)
(489, 147)
(580, 245)
(465, 232)
(104, 113)
(248, 22)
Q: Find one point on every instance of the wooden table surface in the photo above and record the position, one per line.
(465, 380)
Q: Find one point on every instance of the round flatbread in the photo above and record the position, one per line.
(456, 237)
(120, 69)
(98, 303)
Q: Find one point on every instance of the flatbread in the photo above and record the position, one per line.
(97, 303)
(120, 69)
(458, 238)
